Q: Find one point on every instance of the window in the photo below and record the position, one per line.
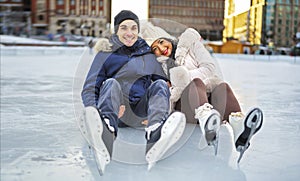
(60, 11)
(40, 6)
(279, 30)
(60, 2)
(41, 17)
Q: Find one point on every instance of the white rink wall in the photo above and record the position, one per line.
(58, 50)
(30, 50)
(284, 58)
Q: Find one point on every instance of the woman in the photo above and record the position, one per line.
(199, 91)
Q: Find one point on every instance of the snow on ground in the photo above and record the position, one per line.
(40, 139)
(7, 39)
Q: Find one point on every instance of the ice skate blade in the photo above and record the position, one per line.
(100, 164)
(242, 149)
(171, 131)
(215, 144)
(94, 127)
(211, 129)
(151, 165)
(202, 143)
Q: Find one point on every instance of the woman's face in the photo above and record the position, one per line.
(162, 47)
(128, 32)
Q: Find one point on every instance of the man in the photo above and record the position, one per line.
(128, 75)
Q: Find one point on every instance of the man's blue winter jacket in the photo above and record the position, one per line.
(133, 67)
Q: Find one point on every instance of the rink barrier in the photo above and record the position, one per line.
(19, 50)
(254, 57)
(29, 51)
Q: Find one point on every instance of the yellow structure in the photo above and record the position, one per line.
(216, 47)
(241, 26)
(255, 21)
(245, 26)
(228, 19)
(232, 46)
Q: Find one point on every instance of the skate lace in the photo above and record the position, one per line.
(236, 116)
(111, 128)
(203, 110)
(151, 128)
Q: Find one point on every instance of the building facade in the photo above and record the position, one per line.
(15, 17)
(281, 22)
(205, 16)
(76, 17)
(266, 22)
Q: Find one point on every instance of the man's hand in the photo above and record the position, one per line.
(121, 111)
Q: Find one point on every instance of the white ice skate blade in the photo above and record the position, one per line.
(202, 143)
(213, 126)
(94, 129)
(171, 131)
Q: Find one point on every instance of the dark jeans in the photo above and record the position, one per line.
(154, 105)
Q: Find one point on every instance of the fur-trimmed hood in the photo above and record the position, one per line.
(103, 45)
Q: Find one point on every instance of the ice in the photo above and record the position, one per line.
(40, 138)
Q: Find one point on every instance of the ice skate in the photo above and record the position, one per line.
(209, 122)
(99, 136)
(244, 127)
(161, 136)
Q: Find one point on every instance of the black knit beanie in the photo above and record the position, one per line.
(124, 15)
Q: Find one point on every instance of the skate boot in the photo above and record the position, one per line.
(244, 127)
(99, 135)
(161, 136)
(209, 122)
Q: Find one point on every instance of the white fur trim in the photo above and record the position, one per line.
(102, 45)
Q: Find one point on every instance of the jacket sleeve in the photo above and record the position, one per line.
(185, 41)
(207, 69)
(93, 81)
(203, 60)
(190, 48)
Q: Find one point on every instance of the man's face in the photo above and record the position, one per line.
(128, 32)
(162, 47)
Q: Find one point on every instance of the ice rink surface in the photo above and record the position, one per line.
(40, 138)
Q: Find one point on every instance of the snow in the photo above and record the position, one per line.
(22, 40)
(40, 137)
